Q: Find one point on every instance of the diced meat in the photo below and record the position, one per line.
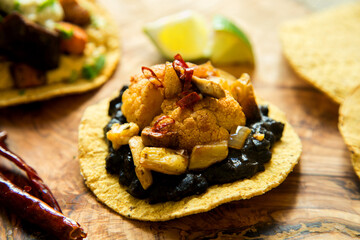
(30, 43)
(25, 76)
(159, 139)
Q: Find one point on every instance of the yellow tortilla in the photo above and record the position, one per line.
(93, 150)
(349, 120)
(324, 49)
(111, 53)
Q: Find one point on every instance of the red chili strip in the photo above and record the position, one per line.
(183, 71)
(36, 211)
(36, 182)
(161, 126)
(155, 81)
(189, 100)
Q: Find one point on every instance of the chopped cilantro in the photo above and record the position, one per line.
(17, 6)
(45, 4)
(90, 71)
(21, 92)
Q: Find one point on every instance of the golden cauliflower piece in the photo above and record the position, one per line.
(142, 102)
(210, 120)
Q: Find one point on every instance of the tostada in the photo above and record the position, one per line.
(54, 47)
(183, 139)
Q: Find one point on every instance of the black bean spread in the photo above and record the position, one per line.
(239, 164)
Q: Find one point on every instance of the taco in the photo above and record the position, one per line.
(324, 49)
(183, 139)
(349, 119)
(54, 47)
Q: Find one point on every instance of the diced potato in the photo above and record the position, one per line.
(243, 92)
(209, 87)
(203, 156)
(164, 160)
(159, 139)
(144, 175)
(121, 134)
(259, 136)
(171, 82)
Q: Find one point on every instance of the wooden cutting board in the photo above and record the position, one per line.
(320, 199)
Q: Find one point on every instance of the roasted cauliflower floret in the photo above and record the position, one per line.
(207, 120)
(142, 102)
(198, 127)
(227, 110)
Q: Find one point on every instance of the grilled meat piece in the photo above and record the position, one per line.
(28, 42)
(25, 76)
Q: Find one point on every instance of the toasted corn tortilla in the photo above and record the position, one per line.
(93, 151)
(324, 49)
(112, 55)
(349, 119)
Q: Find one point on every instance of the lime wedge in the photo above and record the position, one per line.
(186, 33)
(230, 46)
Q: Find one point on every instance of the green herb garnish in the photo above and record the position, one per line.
(45, 4)
(89, 72)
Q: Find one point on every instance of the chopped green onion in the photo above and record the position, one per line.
(45, 4)
(91, 71)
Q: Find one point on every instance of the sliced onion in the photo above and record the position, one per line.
(238, 136)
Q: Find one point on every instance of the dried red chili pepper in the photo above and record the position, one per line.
(162, 126)
(183, 71)
(189, 100)
(153, 79)
(38, 212)
(36, 182)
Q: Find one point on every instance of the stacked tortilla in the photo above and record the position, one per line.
(324, 49)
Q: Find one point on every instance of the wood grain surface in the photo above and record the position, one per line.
(319, 200)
